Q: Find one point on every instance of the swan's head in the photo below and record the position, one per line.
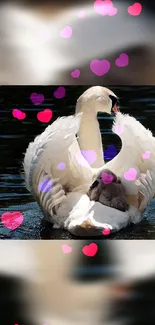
(98, 99)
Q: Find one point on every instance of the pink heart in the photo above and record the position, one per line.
(18, 114)
(12, 220)
(81, 14)
(135, 9)
(89, 155)
(60, 92)
(105, 7)
(100, 67)
(66, 32)
(131, 174)
(66, 249)
(112, 11)
(90, 250)
(146, 155)
(75, 73)
(106, 178)
(118, 129)
(122, 61)
(37, 99)
(102, 7)
(45, 116)
(106, 231)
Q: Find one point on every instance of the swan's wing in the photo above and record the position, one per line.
(136, 140)
(59, 136)
(138, 149)
(56, 145)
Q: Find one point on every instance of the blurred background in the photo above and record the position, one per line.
(40, 284)
(34, 51)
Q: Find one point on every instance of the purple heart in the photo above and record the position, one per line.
(122, 61)
(60, 92)
(110, 152)
(75, 73)
(61, 165)
(89, 155)
(45, 186)
(37, 98)
(100, 67)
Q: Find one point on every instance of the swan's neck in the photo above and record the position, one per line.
(89, 136)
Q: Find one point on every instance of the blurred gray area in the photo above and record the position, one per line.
(32, 51)
(55, 297)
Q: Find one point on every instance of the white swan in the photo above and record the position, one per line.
(62, 192)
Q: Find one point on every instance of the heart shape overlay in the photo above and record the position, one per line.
(37, 99)
(75, 74)
(122, 61)
(66, 249)
(135, 9)
(131, 174)
(45, 116)
(106, 178)
(106, 232)
(100, 67)
(18, 114)
(12, 220)
(60, 92)
(146, 155)
(66, 32)
(90, 250)
(89, 155)
(110, 152)
(105, 7)
(45, 186)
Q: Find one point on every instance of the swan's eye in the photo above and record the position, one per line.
(115, 103)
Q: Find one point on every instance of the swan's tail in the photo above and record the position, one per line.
(137, 140)
(60, 135)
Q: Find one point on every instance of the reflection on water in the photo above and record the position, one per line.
(15, 136)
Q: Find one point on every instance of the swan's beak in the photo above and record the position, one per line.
(115, 109)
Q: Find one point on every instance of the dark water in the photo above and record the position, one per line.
(15, 136)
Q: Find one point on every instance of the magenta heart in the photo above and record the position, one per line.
(60, 92)
(106, 231)
(12, 220)
(90, 250)
(45, 116)
(37, 99)
(75, 73)
(135, 10)
(106, 178)
(18, 114)
(66, 32)
(89, 155)
(122, 61)
(100, 67)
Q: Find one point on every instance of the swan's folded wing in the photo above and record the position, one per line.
(59, 135)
